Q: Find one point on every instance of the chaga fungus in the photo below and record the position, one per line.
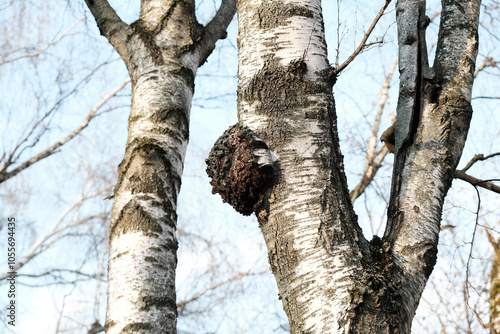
(241, 167)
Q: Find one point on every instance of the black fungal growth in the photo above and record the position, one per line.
(239, 173)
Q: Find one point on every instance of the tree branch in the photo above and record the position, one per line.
(4, 175)
(487, 62)
(486, 98)
(374, 159)
(56, 272)
(478, 157)
(363, 43)
(486, 184)
(111, 26)
(182, 304)
(55, 234)
(216, 29)
(46, 47)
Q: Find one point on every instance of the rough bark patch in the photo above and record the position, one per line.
(148, 40)
(137, 327)
(157, 301)
(282, 93)
(144, 174)
(280, 89)
(273, 14)
(430, 257)
(237, 176)
(381, 294)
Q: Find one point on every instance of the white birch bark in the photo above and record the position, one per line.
(285, 97)
(434, 113)
(495, 288)
(330, 278)
(162, 51)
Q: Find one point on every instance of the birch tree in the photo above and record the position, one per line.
(162, 51)
(283, 162)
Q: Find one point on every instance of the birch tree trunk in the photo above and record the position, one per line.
(162, 51)
(330, 278)
(495, 287)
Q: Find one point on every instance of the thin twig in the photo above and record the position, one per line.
(467, 267)
(486, 98)
(374, 159)
(14, 156)
(363, 43)
(487, 62)
(55, 234)
(53, 149)
(45, 48)
(478, 157)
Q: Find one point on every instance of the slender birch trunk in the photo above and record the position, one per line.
(495, 286)
(162, 51)
(330, 278)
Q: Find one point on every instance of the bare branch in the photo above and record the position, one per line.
(55, 234)
(374, 159)
(363, 43)
(182, 304)
(468, 265)
(216, 29)
(111, 26)
(486, 98)
(53, 149)
(14, 155)
(487, 62)
(46, 47)
(384, 96)
(486, 184)
(478, 157)
(369, 174)
(494, 243)
(57, 271)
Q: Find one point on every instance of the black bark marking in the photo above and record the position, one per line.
(429, 258)
(148, 40)
(235, 173)
(159, 302)
(280, 88)
(187, 75)
(274, 14)
(149, 179)
(382, 296)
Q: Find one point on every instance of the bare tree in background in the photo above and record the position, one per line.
(36, 124)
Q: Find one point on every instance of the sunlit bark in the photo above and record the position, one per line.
(330, 278)
(162, 51)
